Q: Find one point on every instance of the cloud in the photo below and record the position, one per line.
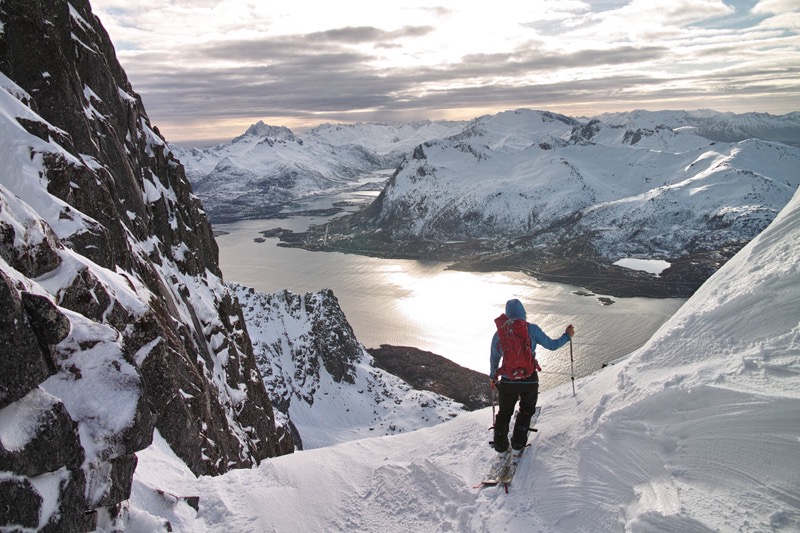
(367, 34)
(232, 61)
(534, 59)
(776, 7)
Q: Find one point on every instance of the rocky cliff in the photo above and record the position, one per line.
(114, 319)
(322, 379)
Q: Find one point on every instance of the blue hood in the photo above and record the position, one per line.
(514, 309)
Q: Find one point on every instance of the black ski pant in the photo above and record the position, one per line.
(527, 393)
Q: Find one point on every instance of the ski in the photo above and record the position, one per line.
(505, 464)
(507, 474)
(499, 463)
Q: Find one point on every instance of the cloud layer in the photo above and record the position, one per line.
(206, 70)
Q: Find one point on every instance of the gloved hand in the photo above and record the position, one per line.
(570, 331)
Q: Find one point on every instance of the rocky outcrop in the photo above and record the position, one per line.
(114, 319)
(321, 342)
(429, 371)
(321, 377)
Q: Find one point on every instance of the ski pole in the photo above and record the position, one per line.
(571, 366)
(494, 392)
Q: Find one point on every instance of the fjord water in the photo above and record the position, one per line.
(424, 305)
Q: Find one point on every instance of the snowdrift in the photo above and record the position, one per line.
(696, 431)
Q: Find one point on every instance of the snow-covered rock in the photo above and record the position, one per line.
(322, 379)
(714, 125)
(115, 318)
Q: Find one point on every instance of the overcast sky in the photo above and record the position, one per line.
(206, 69)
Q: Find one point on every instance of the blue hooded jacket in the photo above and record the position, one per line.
(515, 309)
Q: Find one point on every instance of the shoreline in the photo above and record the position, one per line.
(572, 262)
(586, 271)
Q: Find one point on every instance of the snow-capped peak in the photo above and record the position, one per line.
(261, 131)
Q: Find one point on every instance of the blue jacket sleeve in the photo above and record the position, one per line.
(540, 337)
(494, 356)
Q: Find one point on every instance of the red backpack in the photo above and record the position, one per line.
(515, 343)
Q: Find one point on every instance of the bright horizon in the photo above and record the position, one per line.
(206, 70)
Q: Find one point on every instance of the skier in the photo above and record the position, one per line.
(524, 388)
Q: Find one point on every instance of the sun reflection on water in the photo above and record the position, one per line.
(424, 305)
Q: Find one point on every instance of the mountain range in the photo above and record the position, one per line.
(560, 197)
(267, 167)
(282, 166)
(537, 192)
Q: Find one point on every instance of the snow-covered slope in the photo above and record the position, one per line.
(385, 139)
(321, 378)
(724, 127)
(696, 431)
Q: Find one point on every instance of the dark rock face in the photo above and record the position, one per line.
(24, 364)
(55, 441)
(113, 316)
(585, 132)
(428, 371)
(20, 503)
(334, 339)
